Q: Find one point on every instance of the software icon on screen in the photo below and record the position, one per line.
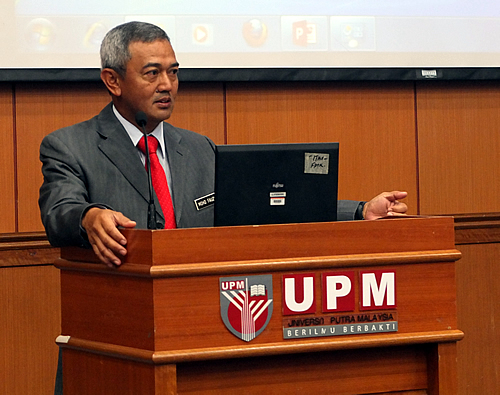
(255, 32)
(304, 33)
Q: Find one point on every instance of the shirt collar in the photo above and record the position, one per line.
(135, 134)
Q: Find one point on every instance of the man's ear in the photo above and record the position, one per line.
(112, 81)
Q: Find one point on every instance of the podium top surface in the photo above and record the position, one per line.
(288, 241)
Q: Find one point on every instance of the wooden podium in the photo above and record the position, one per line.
(154, 325)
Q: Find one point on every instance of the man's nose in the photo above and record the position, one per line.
(165, 83)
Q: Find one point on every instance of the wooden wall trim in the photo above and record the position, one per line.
(19, 241)
(477, 228)
(26, 249)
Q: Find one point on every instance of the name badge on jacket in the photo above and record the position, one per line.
(205, 201)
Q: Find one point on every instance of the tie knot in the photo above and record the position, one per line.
(152, 144)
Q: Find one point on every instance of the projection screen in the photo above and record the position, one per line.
(263, 34)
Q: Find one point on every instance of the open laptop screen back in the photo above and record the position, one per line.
(276, 183)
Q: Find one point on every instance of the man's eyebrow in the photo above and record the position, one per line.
(158, 65)
(151, 64)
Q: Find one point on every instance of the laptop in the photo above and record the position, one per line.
(257, 184)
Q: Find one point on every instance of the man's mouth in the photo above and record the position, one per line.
(163, 100)
(164, 103)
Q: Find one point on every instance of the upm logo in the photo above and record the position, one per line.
(377, 291)
(246, 304)
(304, 33)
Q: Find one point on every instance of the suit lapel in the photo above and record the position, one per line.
(177, 156)
(118, 148)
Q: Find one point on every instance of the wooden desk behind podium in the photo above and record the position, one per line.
(154, 326)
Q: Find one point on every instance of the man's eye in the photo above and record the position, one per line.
(152, 72)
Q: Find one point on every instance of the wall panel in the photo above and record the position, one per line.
(7, 165)
(30, 321)
(478, 307)
(374, 123)
(459, 146)
(478, 296)
(200, 107)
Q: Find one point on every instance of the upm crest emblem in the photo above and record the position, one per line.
(246, 304)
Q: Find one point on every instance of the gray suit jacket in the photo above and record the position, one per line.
(94, 163)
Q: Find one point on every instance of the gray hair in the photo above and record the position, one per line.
(115, 52)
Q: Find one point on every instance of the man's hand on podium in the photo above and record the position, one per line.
(385, 204)
(106, 240)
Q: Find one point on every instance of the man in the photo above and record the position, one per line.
(94, 179)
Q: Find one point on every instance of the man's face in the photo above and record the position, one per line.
(150, 83)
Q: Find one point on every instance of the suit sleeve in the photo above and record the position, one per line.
(349, 210)
(63, 195)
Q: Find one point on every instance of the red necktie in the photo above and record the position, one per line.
(160, 184)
